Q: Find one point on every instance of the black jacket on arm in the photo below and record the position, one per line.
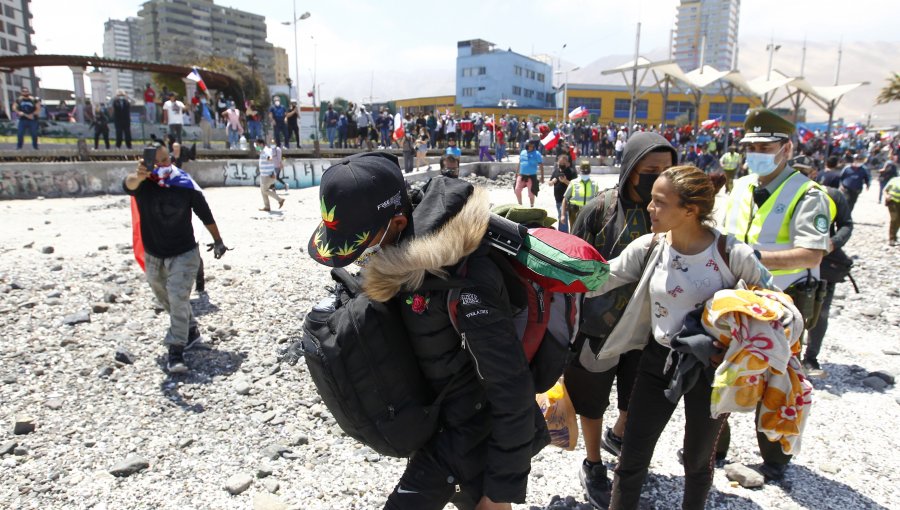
(491, 425)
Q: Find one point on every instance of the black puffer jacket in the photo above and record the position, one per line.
(491, 424)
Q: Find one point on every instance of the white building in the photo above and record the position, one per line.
(119, 41)
(714, 22)
(15, 39)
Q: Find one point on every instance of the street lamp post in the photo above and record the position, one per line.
(294, 21)
(565, 101)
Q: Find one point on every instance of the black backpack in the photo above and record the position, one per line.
(361, 360)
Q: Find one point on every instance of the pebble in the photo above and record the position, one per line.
(123, 355)
(131, 465)
(871, 311)
(876, 383)
(746, 477)
(274, 452)
(24, 424)
(56, 268)
(828, 467)
(271, 485)
(264, 470)
(100, 307)
(238, 483)
(47, 250)
(77, 318)
(242, 387)
(184, 443)
(8, 447)
(265, 501)
(54, 404)
(53, 294)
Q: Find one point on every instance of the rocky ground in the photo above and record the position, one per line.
(90, 419)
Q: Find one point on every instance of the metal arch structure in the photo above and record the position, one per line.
(213, 80)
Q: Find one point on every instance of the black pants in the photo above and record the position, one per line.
(104, 133)
(648, 414)
(293, 134)
(851, 195)
(428, 485)
(817, 333)
(123, 131)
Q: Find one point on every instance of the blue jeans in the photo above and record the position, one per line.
(234, 138)
(562, 226)
(281, 133)
(255, 130)
(32, 126)
(386, 138)
(331, 132)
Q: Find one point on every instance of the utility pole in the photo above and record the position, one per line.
(632, 111)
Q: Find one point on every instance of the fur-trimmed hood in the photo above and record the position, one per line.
(443, 237)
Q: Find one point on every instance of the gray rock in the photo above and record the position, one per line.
(264, 470)
(47, 250)
(242, 387)
(20, 451)
(184, 443)
(23, 425)
(110, 297)
(54, 404)
(100, 307)
(828, 467)
(300, 440)
(274, 451)
(56, 268)
(876, 383)
(746, 477)
(10, 379)
(77, 318)
(8, 447)
(105, 371)
(53, 301)
(53, 294)
(891, 352)
(124, 356)
(267, 416)
(238, 483)
(883, 375)
(871, 311)
(271, 485)
(265, 501)
(131, 465)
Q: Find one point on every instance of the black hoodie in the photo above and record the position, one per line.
(611, 221)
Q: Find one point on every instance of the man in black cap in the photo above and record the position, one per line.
(490, 425)
(785, 216)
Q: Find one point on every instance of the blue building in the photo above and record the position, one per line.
(485, 75)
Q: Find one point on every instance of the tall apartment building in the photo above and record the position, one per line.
(485, 75)
(177, 31)
(712, 21)
(281, 66)
(15, 39)
(121, 39)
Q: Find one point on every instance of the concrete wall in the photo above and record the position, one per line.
(53, 180)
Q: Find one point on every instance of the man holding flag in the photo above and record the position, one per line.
(165, 197)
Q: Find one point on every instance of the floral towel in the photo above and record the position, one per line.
(761, 330)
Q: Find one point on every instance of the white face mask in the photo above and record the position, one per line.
(366, 256)
(761, 163)
(585, 177)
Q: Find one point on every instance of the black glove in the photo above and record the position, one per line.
(218, 248)
(292, 354)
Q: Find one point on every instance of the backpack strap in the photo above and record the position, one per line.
(722, 245)
(653, 242)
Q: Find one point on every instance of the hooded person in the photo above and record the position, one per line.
(490, 424)
(610, 221)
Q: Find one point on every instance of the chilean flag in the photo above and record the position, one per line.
(165, 177)
(710, 124)
(550, 141)
(805, 134)
(399, 131)
(194, 75)
(579, 113)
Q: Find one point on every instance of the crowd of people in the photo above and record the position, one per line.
(640, 329)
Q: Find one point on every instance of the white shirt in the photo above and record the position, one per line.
(679, 285)
(174, 111)
(266, 164)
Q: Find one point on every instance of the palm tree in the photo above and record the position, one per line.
(891, 92)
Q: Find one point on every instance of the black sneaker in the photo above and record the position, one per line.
(611, 442)
(175, 363)
(597, 489)
(812, 368)
(772, 472)
(194, 338)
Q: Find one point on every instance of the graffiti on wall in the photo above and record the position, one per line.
(297, 173)
(17, 183)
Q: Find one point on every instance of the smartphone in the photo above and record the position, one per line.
(150, 158)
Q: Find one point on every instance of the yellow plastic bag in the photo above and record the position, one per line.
(559, 413)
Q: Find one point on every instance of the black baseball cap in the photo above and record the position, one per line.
(358, 196)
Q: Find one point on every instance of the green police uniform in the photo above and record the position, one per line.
(796, 214)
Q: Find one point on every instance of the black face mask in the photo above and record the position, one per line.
(644, 187)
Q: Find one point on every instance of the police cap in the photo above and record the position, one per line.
(764, 125)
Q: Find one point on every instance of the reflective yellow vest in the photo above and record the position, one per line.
(582, 191)
(730, 161)
(768, 228)
(892, 190)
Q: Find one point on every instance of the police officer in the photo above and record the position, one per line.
(785, 217)
(730, 162)
(577, 194)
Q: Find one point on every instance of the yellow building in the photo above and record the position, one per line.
(610, 103)
(282, 71)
